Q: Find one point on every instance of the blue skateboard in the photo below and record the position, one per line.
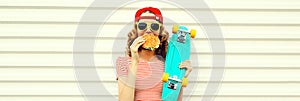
(178, 51)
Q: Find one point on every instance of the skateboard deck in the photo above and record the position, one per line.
(178, 51)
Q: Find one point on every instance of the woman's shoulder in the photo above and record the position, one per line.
(122, 65)
(123, 59)
(126, 60)
(160, 60)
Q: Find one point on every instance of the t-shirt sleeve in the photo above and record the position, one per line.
(122, 65)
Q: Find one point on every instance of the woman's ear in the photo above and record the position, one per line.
(135, 28)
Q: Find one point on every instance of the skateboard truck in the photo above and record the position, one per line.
(172, 81)
(181, 36)
(182, 33)
(172, 85)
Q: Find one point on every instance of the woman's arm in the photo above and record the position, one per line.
(180, 94)
(187, 65)
(126, 93)
(127, 84)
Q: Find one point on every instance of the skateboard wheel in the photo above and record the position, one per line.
(175, 29)
(165, 77)
(184, 82)
(193, 33)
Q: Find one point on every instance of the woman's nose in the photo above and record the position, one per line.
(148, 31)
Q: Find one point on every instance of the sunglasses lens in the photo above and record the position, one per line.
(154, 26)
(142, 26)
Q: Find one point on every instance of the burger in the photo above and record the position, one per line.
(151, 42)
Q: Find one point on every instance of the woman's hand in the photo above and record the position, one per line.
(136, 44)
(134, 47)
(186, 65)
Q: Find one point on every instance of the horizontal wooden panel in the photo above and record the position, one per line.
(67, 59)
(236, 4)
(238, 17)
(56, 31)
(198, 75)
(199, 89)
(19, 98)
(38, 30)
(53, 46)
(254, 98)
(191, 98)
(108, 60)
(276, 4)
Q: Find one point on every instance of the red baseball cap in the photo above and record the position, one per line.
(158, 16)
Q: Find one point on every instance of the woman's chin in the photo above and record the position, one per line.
(149, 49)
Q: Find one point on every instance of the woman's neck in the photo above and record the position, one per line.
(146, 55)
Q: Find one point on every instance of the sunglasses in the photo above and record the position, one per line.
(153, 26)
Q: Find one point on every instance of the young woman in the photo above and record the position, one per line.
(139, 74)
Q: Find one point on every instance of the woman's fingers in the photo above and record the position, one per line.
(137, 43)
(186, 65)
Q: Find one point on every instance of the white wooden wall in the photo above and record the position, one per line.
(261, 36)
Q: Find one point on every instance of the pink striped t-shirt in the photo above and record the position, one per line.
(148, 84)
